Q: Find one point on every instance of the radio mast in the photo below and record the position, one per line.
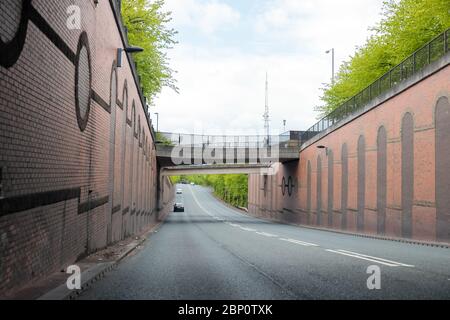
(266, 114)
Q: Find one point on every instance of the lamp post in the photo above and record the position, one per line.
(157, 121)
(332, 63)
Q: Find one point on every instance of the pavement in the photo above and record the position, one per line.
(93, 268)
(212, 251)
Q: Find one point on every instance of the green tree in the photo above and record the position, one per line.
(161, 139)
(147, 28)
(407, 25)
(232, 188)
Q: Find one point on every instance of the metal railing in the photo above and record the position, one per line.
(218, 141)
(432, 51)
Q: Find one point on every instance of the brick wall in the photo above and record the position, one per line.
(77, 158)
(385, 171)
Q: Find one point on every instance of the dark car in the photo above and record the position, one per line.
(178, 207)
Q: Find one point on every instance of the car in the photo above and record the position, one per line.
(192, 184)
(179, 191)
(178, 207)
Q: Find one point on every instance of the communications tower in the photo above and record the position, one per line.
(266, 114)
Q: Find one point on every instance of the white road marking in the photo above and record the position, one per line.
(382, 259)
(302, 243)
(248, 229)
(234, 225)
(265, 234)
(385, 262)
(199, 204)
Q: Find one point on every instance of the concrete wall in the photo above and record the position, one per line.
(385, 171)
(77, 160)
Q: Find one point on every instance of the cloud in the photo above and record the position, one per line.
(207, 17)
(312, 24)
(222, 82)
(223, 91)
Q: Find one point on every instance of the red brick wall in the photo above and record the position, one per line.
(66, 192)
(419, 100)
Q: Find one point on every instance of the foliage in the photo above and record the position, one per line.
(232, 188)
(407, 25)
(161, 139)
(147, 28)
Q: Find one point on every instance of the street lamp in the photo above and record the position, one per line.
(130, 49)
(332, 66)
(321, 147)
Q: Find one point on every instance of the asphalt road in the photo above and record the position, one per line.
(214, 252)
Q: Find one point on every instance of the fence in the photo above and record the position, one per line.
(217, 141)
(432, 51)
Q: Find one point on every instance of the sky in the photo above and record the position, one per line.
(226, 47)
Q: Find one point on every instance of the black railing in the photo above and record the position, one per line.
(432, 51)
(218, 141)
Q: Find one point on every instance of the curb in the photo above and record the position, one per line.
(96, 272)
(361, 235)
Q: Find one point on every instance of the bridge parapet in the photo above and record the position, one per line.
(176, 149)
(227, 141)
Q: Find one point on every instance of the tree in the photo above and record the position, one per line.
(147, 28)
(232, 188)
(407, 25)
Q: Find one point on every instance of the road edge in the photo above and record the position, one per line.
(442, 245)
(98, 271)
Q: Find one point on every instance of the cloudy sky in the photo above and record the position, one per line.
(226, 46)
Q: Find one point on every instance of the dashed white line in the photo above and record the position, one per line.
(265, 234)
(234, 225)
(302, 243)
(248, 229)
(382, 261)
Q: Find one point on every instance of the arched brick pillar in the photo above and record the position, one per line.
(330, 187)
(361, 183)
(442, 118)
(308, 193)
(319, 191)
(112, 148)
(407, 174)
(381, 179)
(344, 186)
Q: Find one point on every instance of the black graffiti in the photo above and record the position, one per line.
(289, 186)
(10, 51)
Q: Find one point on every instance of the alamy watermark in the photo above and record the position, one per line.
(374, 281)
(74, 280)
(73, 21)
(253, 149)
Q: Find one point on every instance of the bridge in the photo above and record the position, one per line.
(209, 151)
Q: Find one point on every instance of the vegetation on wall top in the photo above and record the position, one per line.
(147, 25)
(407, 25)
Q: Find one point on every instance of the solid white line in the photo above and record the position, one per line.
(302, 243)
(198, 203)
(369, 258)
(386, 260)
(265, 234)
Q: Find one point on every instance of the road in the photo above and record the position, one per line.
(213, 252)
